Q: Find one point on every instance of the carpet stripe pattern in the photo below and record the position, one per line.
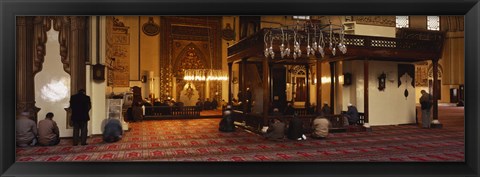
(200, 140)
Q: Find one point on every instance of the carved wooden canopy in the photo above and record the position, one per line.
(414, 45)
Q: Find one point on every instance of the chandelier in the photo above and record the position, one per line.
(314, 37)
(205, 75)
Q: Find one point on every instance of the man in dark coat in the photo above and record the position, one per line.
(80, 105)
(207, 105)
(289, 110)
(227, 123)
(426, 105)
(276, 130)
(295, 129)
(113, 131)
(352, 114)
(325, 110)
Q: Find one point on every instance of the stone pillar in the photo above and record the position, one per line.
(230, 75)
(332, 87)
(243, 85)
(307, 81)
(435, 123)
(77, 53)
(319, 85)
(266, 90)
(25, 95)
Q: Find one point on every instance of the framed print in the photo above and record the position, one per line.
(284, 65)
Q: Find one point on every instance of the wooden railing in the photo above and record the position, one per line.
(172, 111)
(427, 44)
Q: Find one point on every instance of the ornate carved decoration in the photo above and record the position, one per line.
(189, 30)
(183, 29)
(189, 59)
(421, 75)
(430, 71)
(376, 20)
(117, 55)
(61, 24)
(119, 26)
(41, 26)
(151, 28)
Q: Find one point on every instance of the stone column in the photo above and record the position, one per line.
(77, 53)
(25, 95)
(319, 85)
(332, 87)
(230, 75)
(435, 123)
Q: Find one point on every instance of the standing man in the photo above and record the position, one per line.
(80, 105)
(426, 104)
(48, 134)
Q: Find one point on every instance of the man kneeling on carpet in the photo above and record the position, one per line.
(295, 129)
(320, 127)
(113, 131)
(276, 130)
(227, 122)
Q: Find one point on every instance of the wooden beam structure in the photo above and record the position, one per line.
(409, 46)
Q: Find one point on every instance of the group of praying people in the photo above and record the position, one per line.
(277, 130)
(161, 107)
(46, 133)
(28, 133)
(207, 104)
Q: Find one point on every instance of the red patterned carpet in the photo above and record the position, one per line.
(199, 140)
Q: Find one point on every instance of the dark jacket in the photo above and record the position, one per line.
(289, 110)
(352, 114)
(276, 131)
(295, 129)
(425, 101)
(113, 130)
(325, 110)
(227, 123)
(80, 105)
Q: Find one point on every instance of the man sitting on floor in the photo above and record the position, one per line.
(48, 134)
(113, 131)
(26, 131)
(295, 129)
(320, 127)
(276, 130)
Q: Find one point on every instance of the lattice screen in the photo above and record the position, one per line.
(402, 22)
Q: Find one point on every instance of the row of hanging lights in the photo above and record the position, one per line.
(315, 36)
(205, 75)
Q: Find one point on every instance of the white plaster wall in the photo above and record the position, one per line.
(96, 89)
(52, 86)
(388, 107)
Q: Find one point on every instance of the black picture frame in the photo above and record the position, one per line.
(10, 9)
